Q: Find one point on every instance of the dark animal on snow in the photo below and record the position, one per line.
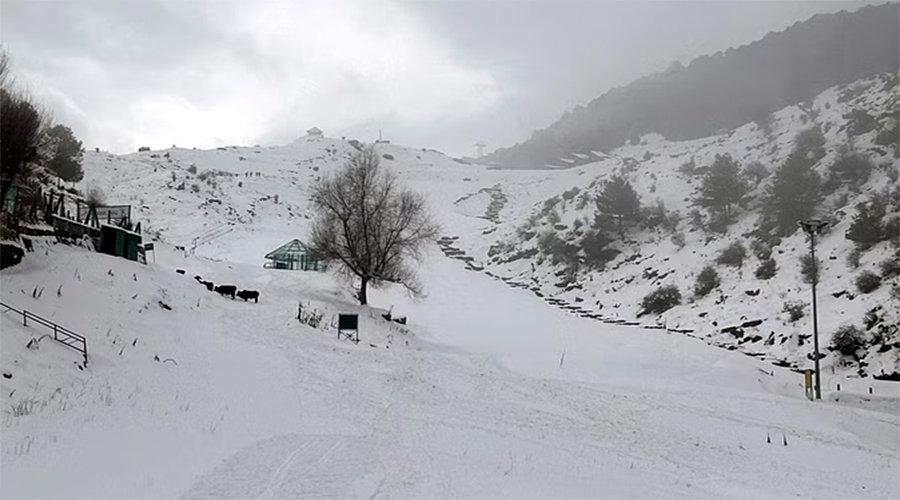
(179, 248)
(386, 316)
(179, 271)
(198, 278)
(209, 285)
(224, 290)
(249, 294)
(401, 320)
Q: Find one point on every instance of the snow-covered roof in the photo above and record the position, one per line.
(314, 131)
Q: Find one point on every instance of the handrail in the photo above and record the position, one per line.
(61, 334)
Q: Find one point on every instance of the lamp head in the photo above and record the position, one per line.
(812, 226)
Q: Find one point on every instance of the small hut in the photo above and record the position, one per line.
(294, 256)
(314, 132)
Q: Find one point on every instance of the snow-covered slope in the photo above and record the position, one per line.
(487, 392)
(651, 258)
(257, 199)
(215, 398)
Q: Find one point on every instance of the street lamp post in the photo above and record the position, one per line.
(812, 227)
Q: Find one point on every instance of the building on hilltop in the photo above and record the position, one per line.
(314, 132)
(294, 256)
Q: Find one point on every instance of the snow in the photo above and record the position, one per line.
(488, 392)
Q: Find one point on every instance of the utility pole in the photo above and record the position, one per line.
(812, 227)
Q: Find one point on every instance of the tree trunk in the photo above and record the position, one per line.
(363, 299)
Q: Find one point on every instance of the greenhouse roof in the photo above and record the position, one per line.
(288, 250)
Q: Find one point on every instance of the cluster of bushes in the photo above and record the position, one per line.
(795, 310)
(867, 282)
(848, 340)
(732, 255)
(870, 225)
(707, 281)
(660, 300)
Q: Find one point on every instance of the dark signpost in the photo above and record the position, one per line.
(348, 327)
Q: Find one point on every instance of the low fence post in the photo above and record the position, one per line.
(24, 317)
(55, 336)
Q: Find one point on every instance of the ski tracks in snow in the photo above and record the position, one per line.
(292, 466)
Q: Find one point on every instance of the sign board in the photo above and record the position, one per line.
(348, 326)
(348, 321)
(148, 246)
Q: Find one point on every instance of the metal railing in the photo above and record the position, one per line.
(61, 334)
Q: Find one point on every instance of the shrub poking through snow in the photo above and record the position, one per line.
(847, 340)
(678, 240)
(660, 300)
(707, 281)
(766, 270)
(809, 270)
(761, 249)
(853, 258)
(889, 268)
(732, 255)
(867, 282)
(795, 310)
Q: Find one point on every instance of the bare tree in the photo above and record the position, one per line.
(369, 225)
(94, 197)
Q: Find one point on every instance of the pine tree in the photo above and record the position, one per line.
(866, 229)
(794, 194)
(66, 160)
(722, 187)
(619, 200)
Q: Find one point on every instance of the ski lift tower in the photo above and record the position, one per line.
(479, 148)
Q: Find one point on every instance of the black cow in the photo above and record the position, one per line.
(208, 284)
(198, 278)
(224, 290)
(179, 271)
(249, 294)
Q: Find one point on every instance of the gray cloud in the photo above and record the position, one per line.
(430, 74)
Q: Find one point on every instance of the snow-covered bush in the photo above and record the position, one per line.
(795, 310)
(761, 249)
(733, 255)
(889, 268)
(847, 340)
(867, 228)
(707, 281)
(660, 300)
(766, 269)
(867, 282)
(853, 258)
(568, 195)
(850, 167)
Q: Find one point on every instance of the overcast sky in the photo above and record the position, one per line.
(431, 74)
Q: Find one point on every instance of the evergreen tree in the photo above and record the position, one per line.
(866, 229)
(810, 143)
(66, 160)
(794, 193)
(722, 187)
(619, 200)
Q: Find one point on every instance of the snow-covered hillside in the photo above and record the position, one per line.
(489, 391)
(257, 198)
(189, 394)
(562, 202)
